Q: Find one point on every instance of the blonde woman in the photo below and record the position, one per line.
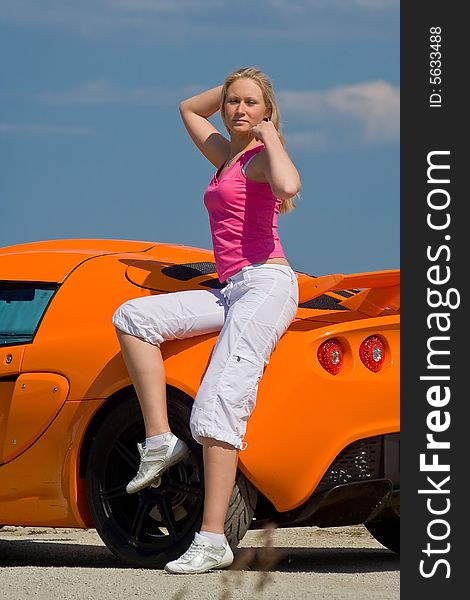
(255, 180)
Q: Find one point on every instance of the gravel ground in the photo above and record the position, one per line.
(299, 563)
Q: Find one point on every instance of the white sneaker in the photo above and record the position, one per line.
(201, 556)
(153, 462)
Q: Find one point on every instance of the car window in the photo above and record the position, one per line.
(22, 306)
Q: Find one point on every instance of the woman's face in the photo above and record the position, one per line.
(244, 106)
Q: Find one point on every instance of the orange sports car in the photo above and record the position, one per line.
(70, 420)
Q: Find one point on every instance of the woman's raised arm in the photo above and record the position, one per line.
(195, 112)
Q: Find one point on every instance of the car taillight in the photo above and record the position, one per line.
(372, 353)
(330, 355)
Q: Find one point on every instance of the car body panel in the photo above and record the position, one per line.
(53, 260)
(285, 435)
(35, 400)
(42, 486)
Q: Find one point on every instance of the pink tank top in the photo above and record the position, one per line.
(243, 219)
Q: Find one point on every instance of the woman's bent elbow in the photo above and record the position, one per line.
(287, 191)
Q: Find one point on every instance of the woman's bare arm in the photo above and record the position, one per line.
(195, 112)
(278, 168)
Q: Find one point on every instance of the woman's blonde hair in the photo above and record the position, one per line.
(272, 107)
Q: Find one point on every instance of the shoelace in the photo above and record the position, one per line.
(193, 550)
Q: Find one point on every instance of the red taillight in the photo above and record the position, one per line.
(330, 355)
(372, 353)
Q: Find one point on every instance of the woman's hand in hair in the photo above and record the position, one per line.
(264, 130)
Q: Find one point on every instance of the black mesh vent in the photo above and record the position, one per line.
(188, 271)
(359, 461)
(324, 302)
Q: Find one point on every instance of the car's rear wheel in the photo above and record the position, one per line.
(157, 524)
(386, 532)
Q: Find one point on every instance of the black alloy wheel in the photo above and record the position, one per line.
(157, 524)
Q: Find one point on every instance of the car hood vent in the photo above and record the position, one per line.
(188, 271)
(160, 276)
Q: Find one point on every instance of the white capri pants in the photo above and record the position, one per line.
(252, 312)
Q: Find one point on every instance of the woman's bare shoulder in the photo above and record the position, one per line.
(215, 148)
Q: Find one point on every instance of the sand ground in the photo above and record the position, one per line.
(341, 563)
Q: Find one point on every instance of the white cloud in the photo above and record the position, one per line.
(42, 129)
(369, 111)
(308, 140)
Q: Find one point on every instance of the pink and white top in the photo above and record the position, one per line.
(243, 218)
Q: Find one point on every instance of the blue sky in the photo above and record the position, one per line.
(92, 146)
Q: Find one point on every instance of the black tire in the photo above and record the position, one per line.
(157, 524)
(241, 510)
(386, 532)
